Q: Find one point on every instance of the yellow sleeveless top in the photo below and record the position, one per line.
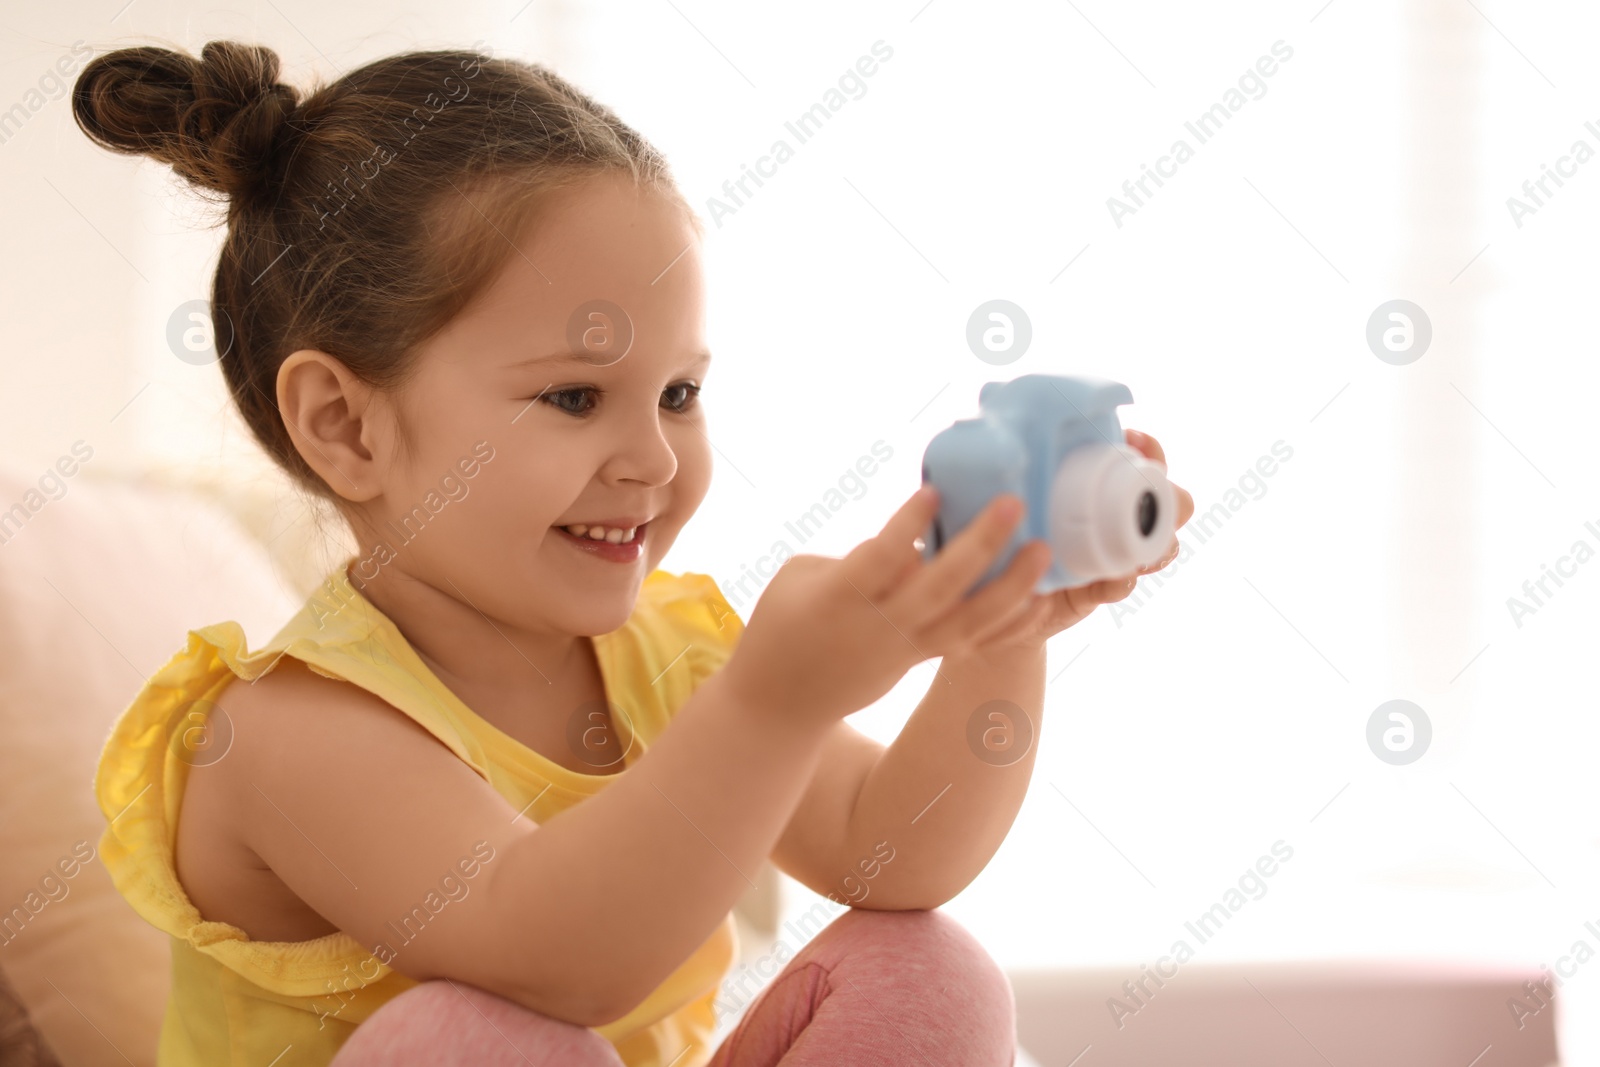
(239, 1002)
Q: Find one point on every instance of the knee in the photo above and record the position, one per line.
(934, 939)
(447, 1022)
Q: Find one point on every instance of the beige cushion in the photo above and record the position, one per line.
(97, 590)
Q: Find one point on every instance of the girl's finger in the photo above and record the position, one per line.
(998, 602)
(1112, 590)
(1185, 504)
(878, 564)
(1148, 446)
(931, 594)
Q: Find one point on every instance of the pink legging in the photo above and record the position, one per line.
(872, 988)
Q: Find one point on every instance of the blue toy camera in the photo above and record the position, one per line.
(1055, 442)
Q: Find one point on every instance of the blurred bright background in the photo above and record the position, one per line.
(1221, 710)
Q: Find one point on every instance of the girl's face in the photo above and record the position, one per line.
(570, 389)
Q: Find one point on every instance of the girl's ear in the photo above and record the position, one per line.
(334, 423)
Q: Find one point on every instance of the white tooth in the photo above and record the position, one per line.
(597, 533)
(614, 536)
(629, 535)
(577, 528)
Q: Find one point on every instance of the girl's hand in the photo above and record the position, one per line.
(830, 636)
(1047, 615)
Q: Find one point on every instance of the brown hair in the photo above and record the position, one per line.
(362, 218)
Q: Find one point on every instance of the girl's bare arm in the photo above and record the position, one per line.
(931, 800)
(363, 814)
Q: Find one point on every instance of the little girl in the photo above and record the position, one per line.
(439, 818)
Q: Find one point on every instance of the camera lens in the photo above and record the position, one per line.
(1147, 513)
(1097, 490)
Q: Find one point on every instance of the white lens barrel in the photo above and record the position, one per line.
(1112, 511)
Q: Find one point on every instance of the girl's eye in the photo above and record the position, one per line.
(554, 399)
(691, 396)
(557, 398)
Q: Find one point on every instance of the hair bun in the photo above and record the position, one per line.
(217, 120)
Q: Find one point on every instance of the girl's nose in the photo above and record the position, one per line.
(645, 454)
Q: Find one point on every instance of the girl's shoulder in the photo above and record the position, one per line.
(213, 859)
(202, 757)
(689, 606)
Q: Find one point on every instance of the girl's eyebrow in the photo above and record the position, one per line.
(554, 357)
(695, 359)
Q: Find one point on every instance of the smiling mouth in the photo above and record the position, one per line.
(610, 534)
(609, 546)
